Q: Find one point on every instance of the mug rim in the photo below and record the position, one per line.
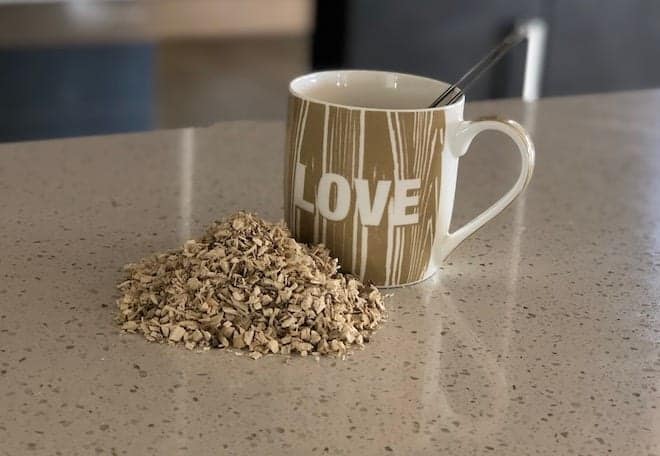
(297, 94)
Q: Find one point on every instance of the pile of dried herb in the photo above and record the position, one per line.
(247, 284)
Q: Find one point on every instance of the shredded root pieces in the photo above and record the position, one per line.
(248, 284)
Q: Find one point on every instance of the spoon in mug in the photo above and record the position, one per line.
(457, 89)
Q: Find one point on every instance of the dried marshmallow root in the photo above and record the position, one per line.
(247, 284)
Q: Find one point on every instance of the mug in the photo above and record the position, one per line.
(370, 171)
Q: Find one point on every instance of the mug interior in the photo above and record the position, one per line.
(369, 89)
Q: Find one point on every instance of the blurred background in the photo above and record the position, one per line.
(84, 67)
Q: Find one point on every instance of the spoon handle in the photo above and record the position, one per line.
(454, 92)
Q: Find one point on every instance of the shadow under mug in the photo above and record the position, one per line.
(371, 173)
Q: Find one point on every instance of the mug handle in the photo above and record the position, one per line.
(463, 137)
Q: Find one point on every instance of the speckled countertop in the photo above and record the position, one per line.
(540, 336)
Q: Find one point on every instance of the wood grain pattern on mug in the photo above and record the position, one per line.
(366, 184)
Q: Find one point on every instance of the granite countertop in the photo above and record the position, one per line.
(539, 336)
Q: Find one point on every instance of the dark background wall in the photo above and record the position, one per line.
(75, 90)
(593, 45)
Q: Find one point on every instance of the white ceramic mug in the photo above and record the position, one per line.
(371, 171)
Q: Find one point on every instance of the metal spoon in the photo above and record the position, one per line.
(456, 90)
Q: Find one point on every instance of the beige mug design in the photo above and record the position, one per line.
(371, 173)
